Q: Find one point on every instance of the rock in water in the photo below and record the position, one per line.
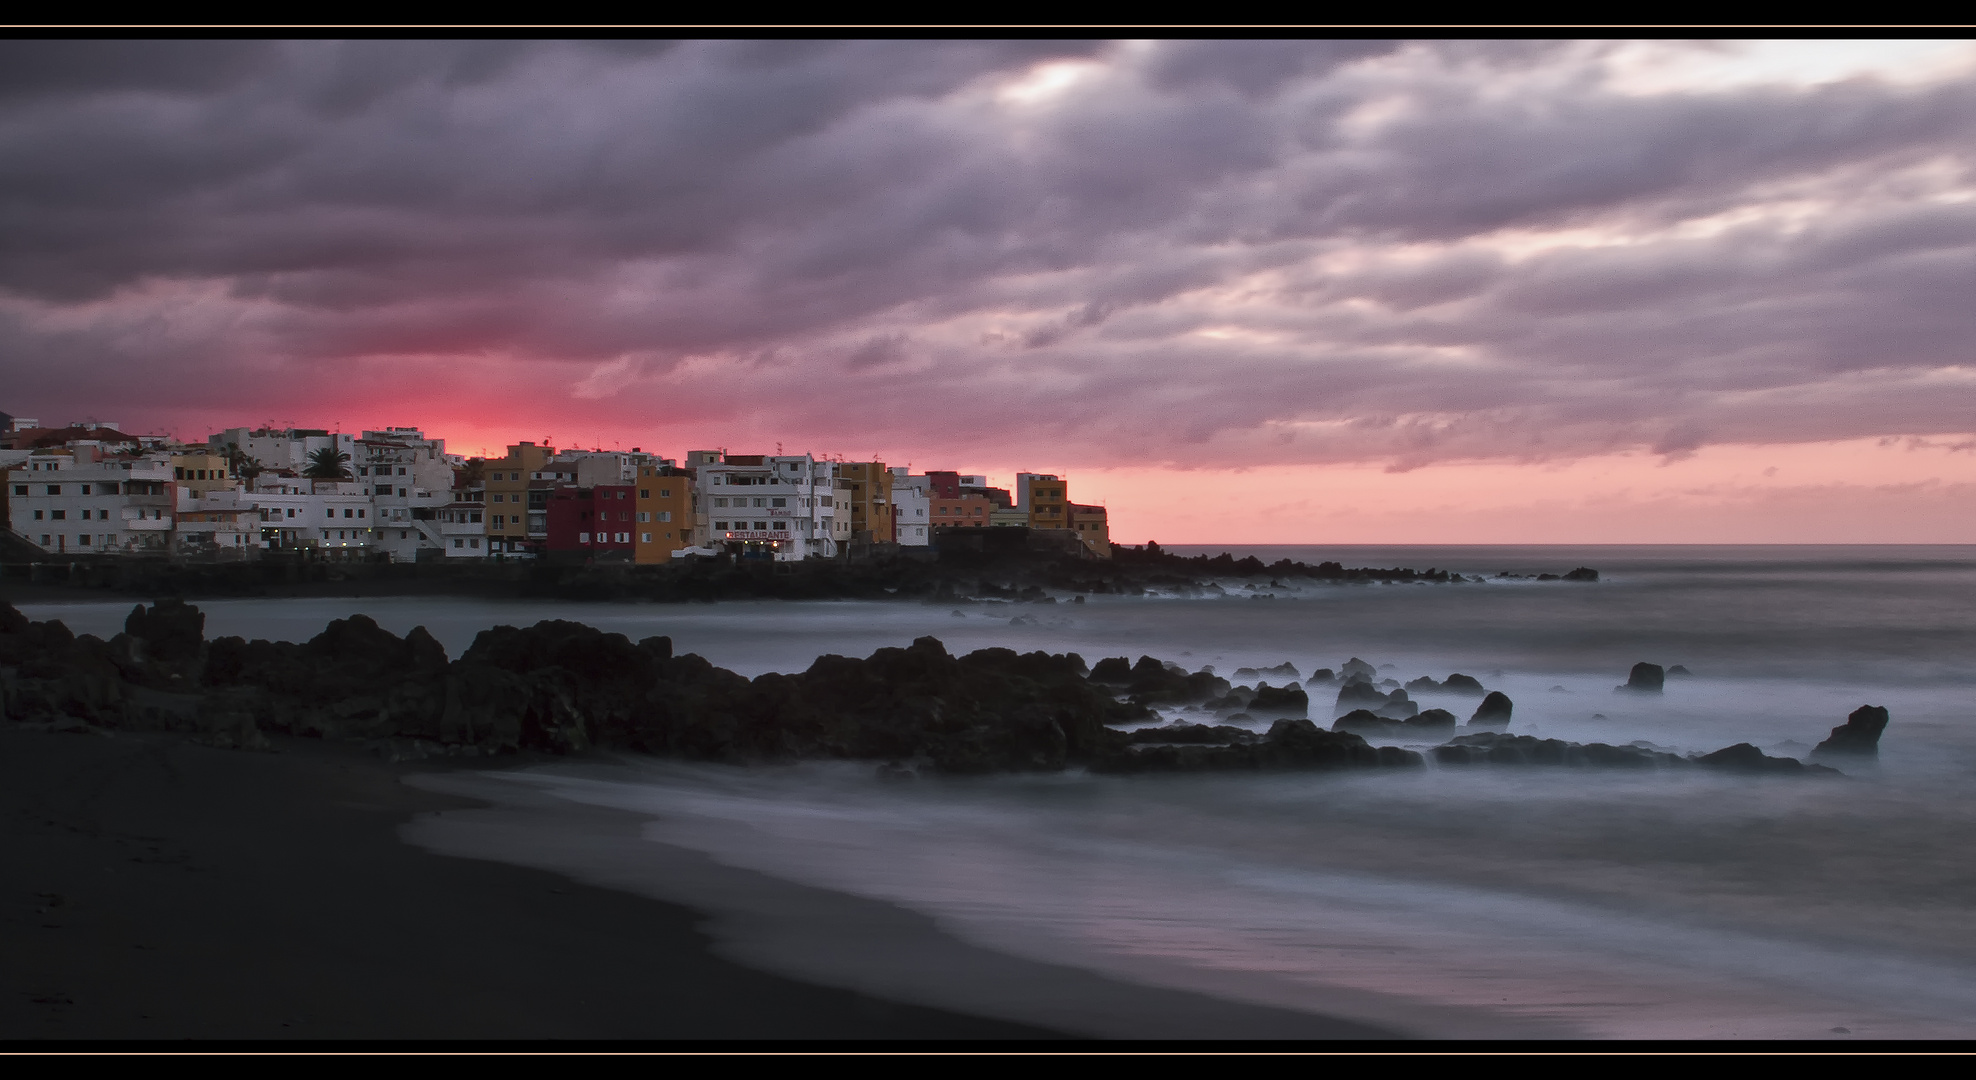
(1859, 736)
(1678, 670)
(1355, 666)
(1466, 685)
(1493, 712)
(1358, 695)
(1646, 678)
(1583, 573)
(1745, 758)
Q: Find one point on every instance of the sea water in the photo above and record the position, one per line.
(1442, 901)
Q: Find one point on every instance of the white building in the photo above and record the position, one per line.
(329, 516)
(71, 502)
(782, 505)
(912, 503)
(411, 485)
(284, 448)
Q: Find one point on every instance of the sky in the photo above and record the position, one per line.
(1271, 292)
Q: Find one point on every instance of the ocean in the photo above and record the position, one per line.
(1442, 902)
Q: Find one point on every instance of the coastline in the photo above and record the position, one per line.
(158, 889)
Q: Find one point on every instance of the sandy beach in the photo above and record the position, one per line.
(163, 890)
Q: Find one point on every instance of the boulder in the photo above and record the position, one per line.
(1858, 737)
(1358, 695)
(1494, 712)
(1678, 671)
(1356, 667)
(1279, 701)
(1322, 676)
(1645, 678)
(1112, 669)
(1398, 706)
(172, 631)
(1583, 573)
(1495, 748)
(1423, 685)
(1465, 685)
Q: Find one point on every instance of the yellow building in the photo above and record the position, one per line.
(1045, 497)
(665, 514)
(508, 508)
(871, 499)
(1092, 527)
(200, 471)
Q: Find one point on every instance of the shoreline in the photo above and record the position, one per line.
(826, 937)
(159, 889)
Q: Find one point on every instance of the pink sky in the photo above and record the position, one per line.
(1305, 291)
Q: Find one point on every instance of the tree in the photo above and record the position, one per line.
(328, 463)
(243, 466)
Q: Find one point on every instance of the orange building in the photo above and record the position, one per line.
(1043, 497)
(970, 512)
(665, 513)
(1092, 527)
(508, 499)
(871, 499)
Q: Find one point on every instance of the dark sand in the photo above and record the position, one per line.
(157, 889)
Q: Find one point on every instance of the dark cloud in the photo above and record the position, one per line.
(1191, 252)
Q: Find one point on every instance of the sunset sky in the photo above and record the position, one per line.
(1241, 292)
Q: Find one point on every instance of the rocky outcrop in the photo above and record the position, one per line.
(1358, 694)
(1290, 745)
(1285, 670)
(1464, 685)
(1583, 573)
(1431, 724)
(1355, 668)
(1645, 678)
(1858, 737)
(1500, 749)
(1287, 701)
(1494, 712)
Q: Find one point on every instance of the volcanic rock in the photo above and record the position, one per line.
(1858, 737)
(1494, 711)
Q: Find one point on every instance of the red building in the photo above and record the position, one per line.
(591, 523)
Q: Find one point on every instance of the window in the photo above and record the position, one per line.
(780, 526)
(665, 493)
(759, 502)
(83, 540)
(291, 511)
(401, 472)
(57, 515)
(644, 516)
(665, 515)
(498, 497)
(761, 526)
(46, 539)
(644, 538)
(644, 493)
(583, 538)
(20, 489)
(722, 503)
(771, 502)
(401, 491)
(475, 544)
(37, 515)
(473, 516)
(459, 543)
(499, 521)
(85, 489)
(54, 489)
(721, 525)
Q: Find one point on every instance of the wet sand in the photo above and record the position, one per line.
(155, 889)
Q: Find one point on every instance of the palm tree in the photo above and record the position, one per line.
(328, 464)
(244, 466)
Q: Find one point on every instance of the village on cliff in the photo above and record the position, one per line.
(396, 495)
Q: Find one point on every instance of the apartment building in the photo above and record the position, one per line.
(518, 498)
(593, 524)
(70, 501)
(969, 511)
(282, 449)
(1093, 528)
(463, 521)
(1043, 496)
(410, 480)
(663, 521)
(871, 499)
(198, 470)
(785, 507)
(334, 518)
(912, 508)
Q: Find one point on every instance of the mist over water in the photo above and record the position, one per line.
(1474, 901)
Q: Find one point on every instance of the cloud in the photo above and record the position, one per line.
(1192, 253)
